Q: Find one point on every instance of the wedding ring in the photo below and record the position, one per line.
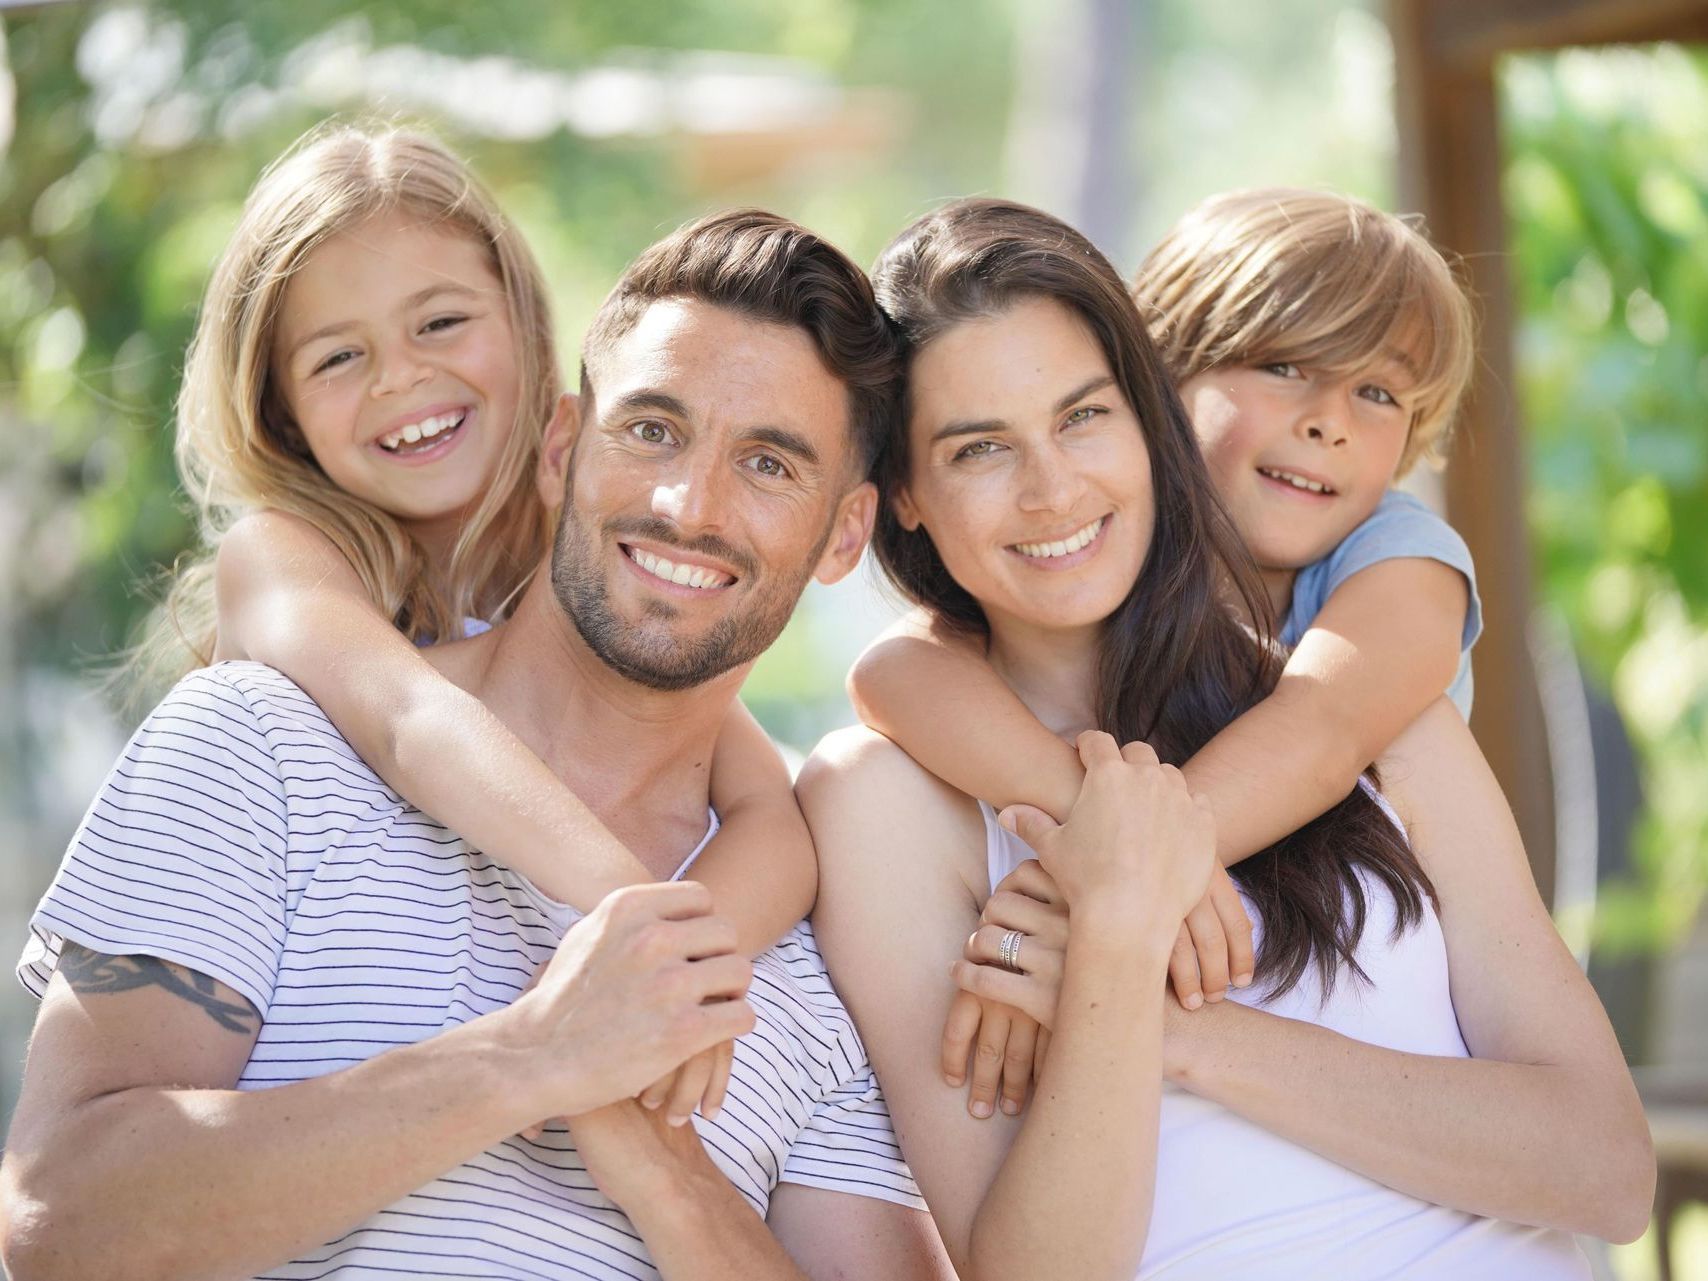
(1008, 951)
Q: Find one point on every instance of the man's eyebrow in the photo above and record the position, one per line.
(981, 426)
(415, 299)
(661, 401)
(788, 442)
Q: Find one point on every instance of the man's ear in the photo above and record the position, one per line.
(849, 535)
(555, 450)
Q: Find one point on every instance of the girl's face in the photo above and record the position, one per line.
(1029, 468)
(395, 354)
(1300, 456)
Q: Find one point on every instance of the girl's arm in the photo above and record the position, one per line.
(1384, 647)
(288, 598)
(760, 867)
(1064, 1192)
(1543, 1126)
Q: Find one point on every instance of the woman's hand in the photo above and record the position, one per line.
(1007, 1014)
(1137, 843)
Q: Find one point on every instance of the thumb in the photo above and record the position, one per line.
(1028, 822)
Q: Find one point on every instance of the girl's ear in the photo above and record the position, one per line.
(905, 511)
(555, 449)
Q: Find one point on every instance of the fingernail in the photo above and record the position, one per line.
(1010, 1107)
(677, 1120)
(1242, 980)
(1193, 1002)
(981, 1109)
(1214, 996)
(955, 1081)
(650, 1105)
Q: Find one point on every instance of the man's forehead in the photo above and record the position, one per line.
(719, 361)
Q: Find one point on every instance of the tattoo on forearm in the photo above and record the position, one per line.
(95, 973)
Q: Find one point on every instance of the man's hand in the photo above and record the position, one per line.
(644, 982)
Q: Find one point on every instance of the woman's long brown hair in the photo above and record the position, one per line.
(1176, 664)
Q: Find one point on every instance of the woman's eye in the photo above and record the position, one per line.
(978, 449)
(1084, 414)
(439, 324)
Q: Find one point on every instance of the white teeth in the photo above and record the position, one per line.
(1297, 482)
(426, 429)
(1046, 551)
(686, 575)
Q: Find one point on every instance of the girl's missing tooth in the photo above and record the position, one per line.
(359, 427)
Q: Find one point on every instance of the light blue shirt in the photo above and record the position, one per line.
(1399, 527)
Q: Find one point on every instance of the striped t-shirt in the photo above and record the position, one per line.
(240, 835)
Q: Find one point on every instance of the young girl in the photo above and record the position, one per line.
(361, 415)
(1321, 347)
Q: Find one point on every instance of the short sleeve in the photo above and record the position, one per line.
(849, 1145)
(182, 855)
(1400, 527)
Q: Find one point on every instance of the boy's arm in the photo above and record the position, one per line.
(760, 866)
(1382, 650)
(933, 693)
(288, 598)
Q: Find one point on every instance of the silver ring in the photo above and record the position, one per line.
(1008, 951)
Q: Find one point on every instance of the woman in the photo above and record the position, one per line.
(1037, 409)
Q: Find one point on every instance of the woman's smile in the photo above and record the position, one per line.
(1053, 555)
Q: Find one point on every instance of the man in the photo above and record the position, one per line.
(241, 862)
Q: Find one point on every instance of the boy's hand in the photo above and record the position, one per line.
(1214, 945)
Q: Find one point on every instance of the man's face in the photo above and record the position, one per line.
(711, 481)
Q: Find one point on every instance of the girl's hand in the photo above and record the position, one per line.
(700, 1083)
(1011, 1028)
(1214, 944)
(1137, 844)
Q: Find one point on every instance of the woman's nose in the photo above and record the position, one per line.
(1051, 483)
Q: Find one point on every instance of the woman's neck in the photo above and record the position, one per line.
(1053, 670)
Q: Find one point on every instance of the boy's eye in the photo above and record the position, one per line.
(1381, 395)
(978, 449)
(1282, 369)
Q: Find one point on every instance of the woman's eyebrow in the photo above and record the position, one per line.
(980, 426)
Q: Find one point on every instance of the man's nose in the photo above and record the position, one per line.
(692, 496)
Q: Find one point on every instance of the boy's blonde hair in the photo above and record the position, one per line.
(238, 449)
(1279, 274)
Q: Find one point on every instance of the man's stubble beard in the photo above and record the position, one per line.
(663, 662)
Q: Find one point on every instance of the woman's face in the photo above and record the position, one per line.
(1029, 468)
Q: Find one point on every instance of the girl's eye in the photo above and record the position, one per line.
(978, 449)
(336, 359)
(652, 432)
(439, 324)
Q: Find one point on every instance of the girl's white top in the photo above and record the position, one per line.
(1234, 1200)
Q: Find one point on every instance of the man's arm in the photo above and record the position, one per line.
(129, 1142)
(697, 1226)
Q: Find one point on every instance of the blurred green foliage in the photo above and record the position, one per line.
(1607, 196)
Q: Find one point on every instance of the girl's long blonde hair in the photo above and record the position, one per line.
(1283, 275)
(239, 451)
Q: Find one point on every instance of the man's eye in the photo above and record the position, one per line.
(978, 449)
(770, 465)
(652, 432)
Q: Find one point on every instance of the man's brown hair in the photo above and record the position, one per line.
(776, 271)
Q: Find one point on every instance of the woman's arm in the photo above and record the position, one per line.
(288, 598)
(1383, 648)
(760, 867)
(1065, 1191)
(1543, 1126)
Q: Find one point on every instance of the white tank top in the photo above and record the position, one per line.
(1234, 1200)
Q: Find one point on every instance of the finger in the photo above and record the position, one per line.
(1041, 921)
(654, 1095)
(1096, 747)
(1028, 822)
(666, 900)
(1139, 752)
(1033, 881)
(1236, 925)
(1033, 956)
(1183, 970)
(692, 1078)
(958, 1032)
(1211, 946)
(723, 1061)
(988, 1050)
(1029, 995)
(720, 978)
(1040, 1052)
(533, 1132)
(1017, 1062)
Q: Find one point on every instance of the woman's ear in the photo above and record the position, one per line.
(905, 511)
(559, 442)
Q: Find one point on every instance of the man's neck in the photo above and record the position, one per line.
(640, 759)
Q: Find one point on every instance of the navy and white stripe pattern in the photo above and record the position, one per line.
(241, 836)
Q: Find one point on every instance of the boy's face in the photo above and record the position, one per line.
(1300, 456)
